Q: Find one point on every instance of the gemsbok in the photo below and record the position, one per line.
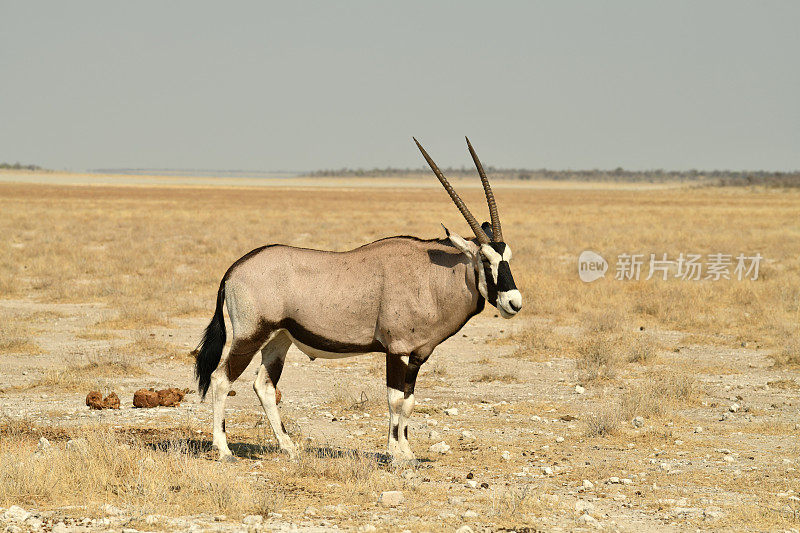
(401, 296)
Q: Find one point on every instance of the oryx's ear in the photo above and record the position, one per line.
(461, 243)
(487, 229)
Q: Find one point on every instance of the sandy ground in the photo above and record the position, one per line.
(659, 477)
(523, 454)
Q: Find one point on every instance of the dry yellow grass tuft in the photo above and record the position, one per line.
(107, 467)
(788, 352)
(17, 333)
(659, 393)
(490, 376)
(598, 357)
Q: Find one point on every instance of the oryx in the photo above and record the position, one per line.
(401, 296)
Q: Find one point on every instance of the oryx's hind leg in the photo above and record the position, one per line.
(230, 368)
(401, 378)
(273, 356)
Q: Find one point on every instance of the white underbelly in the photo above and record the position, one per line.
(313, 353)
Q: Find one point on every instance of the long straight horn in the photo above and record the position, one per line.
(497, 232)
(476, 228)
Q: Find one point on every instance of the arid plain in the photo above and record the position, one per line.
(620, 405)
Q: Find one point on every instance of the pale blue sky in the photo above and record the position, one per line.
(309, 85)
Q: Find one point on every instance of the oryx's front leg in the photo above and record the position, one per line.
(401, 377)
(273, 356)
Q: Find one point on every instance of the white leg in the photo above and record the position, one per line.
(395, 401)
(229, 369)
(273, 356)
(220, 385)
(399, 379)
(406, 409)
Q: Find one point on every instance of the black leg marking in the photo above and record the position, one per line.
(223, 426)
(283, 428)
(395, 430)
(405, 432)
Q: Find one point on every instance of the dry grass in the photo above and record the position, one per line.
(643, 349)
(788, 352)
(538, 342)
(149, 281)
(144, 479)
(658, 395)
(93, 372)
(598, 357)
(365, 399)
(17, 333)
(603, 423)
(491, 376)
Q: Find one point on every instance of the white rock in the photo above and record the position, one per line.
(589, 520)
(311, 511)
(15, 513)
(638, 422)
(506, 455)
(559, 439)
(432, 422)
(464, 529)
(467, 435)
(470, 514)
(614, 480)
(626, 481)
(471, 483)
(253, 520)
(713, 513)
(728, 458)
(587, 485)
(43, 445)
(391, 498)
(547, 471)
(434, 435)
(152, 519)
(582, 506)
(698, 429)
(440, 447)
(678, 442)
(579, 389)
(61, 527)
(666, 467)
(734, 408)
(452, 411)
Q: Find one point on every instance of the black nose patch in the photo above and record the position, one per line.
(505, 281)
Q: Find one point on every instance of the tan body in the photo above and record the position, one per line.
(399, 295)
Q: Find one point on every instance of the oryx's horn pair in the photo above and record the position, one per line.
(497, 232)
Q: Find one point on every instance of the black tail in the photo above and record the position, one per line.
(209, 352)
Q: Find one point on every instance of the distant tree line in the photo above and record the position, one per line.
(18, 166)
(711, 177)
